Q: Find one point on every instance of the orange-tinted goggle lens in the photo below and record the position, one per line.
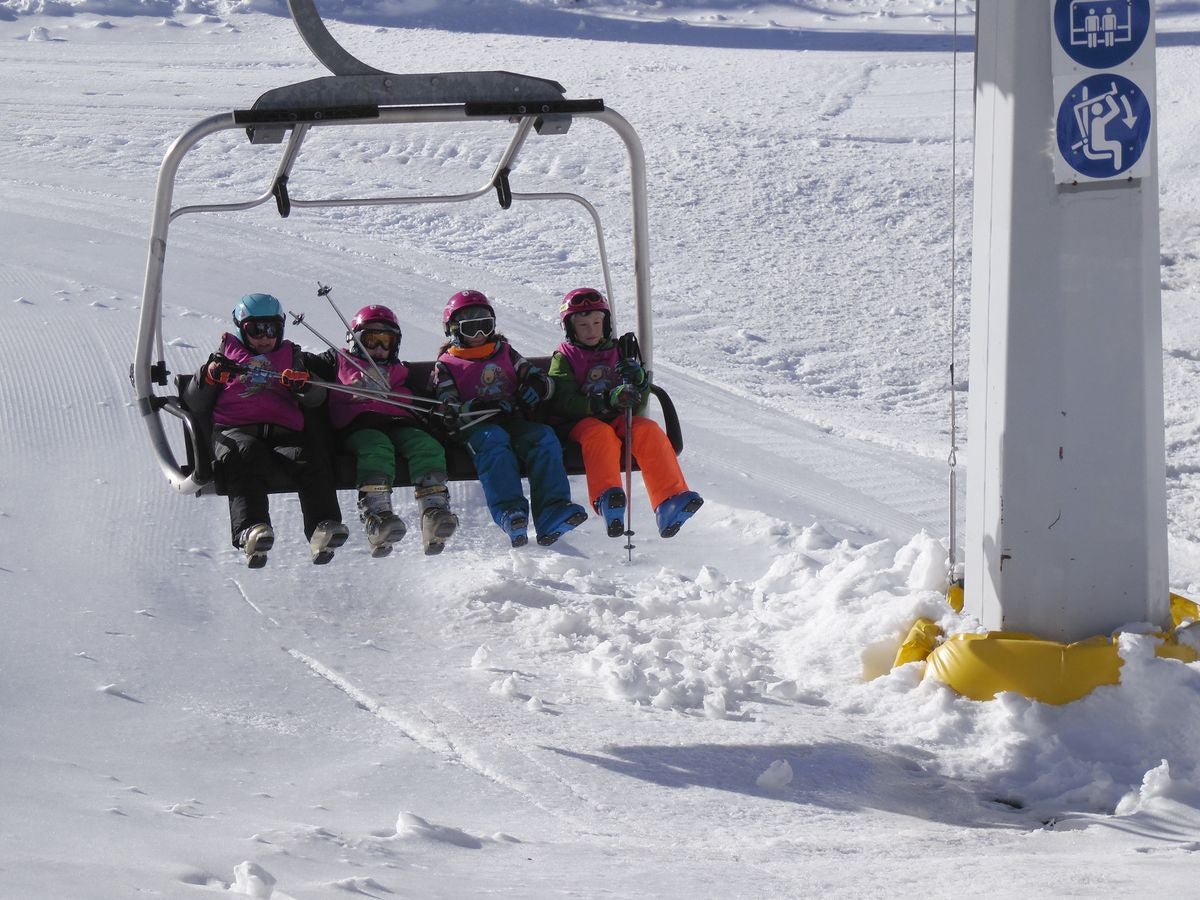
(378, 339)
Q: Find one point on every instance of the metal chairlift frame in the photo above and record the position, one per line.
(357, 94)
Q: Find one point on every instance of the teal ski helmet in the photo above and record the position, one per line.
(259, 308)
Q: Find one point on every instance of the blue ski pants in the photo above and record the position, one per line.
(499, 449)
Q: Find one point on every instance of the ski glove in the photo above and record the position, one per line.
(220, 369)
(294, 380)
(535, 387)
(631, 372)
(624, 396)
(598, 406)
(447, 411)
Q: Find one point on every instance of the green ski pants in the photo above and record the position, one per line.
(375, 452)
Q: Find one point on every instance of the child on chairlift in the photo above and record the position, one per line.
(593, 390)
(491, 388)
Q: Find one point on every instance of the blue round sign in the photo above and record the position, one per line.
(1101, 34)
(1103, 125)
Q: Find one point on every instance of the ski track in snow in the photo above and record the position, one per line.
(433, 733)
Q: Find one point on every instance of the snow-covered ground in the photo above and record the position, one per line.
(717, 718)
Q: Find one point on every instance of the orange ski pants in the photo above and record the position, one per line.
(603, 461)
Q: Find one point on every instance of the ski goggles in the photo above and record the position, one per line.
(258, 328)
(480, 327)
(585, 299)
(373, 340)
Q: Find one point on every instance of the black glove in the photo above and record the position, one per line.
(535, 387)
(624, 396)
(446, 413)
(598, 406)
(220, 369)
(631, 372)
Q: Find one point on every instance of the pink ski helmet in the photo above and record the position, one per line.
(461, 301)
(379, 316)
(583, 300)
(376, 318)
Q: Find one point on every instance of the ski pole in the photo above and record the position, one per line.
(291, 376)
(298, 319)
(324, 290)
(373, 394)
(392, 399)
(388, 397)
(629, 483)
(628, 350)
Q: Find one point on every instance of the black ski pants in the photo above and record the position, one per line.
(248, 454)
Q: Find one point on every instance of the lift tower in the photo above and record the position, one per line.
(1066, 495)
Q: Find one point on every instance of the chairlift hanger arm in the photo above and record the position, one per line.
(488, 94)
(324, 47)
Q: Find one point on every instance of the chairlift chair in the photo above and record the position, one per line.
(359, 95)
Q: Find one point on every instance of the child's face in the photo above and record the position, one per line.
(588, 327)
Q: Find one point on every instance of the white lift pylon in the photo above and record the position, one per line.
(1066, 533)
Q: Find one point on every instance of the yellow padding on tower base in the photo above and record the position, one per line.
(921, 640)
(980, 666)
(1183, 609)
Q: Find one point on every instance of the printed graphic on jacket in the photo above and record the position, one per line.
(595, 370)
(494, 382)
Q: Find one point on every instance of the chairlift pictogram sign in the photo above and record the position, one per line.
(1102, 69)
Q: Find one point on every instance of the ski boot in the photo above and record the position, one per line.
(560, 520)
(327, 537)
(611, 507)
(438, 524)
(383, 527)
(256, 541)
(515, 524)
(674, 511)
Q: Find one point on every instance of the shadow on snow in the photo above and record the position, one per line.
(834, 775)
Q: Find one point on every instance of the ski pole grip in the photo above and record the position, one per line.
(627, 346)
